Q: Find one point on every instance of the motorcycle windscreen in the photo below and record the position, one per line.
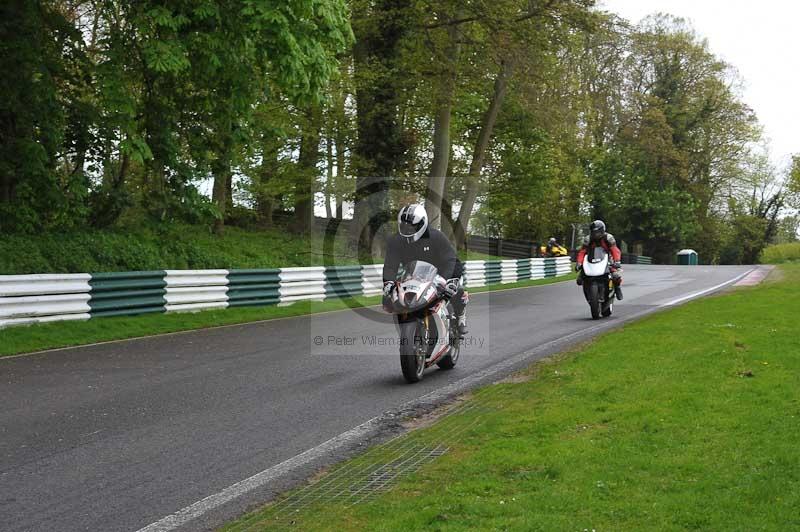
(416, 286)
(597, 264)
(419, 270)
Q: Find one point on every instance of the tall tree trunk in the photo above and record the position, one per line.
(219, 194)
(341, 169)
(124, 164)
(221, 166)
(80, 161)
(265, 201)
(328, 174)
(341, 177)
(441, 157)
(221, 170)
(380, 148)
(441, 131)
(229, 195)
(6, 187)
(479, 154)
(307, 173)
(447, 209)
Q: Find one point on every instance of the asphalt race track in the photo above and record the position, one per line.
(119, 436)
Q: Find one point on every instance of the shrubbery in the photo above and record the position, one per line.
(177, 247)
(779, 253)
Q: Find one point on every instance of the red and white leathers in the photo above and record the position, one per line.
(609, 243)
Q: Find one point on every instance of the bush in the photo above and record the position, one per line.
(169, 247)
(779, 253)
(160, 248)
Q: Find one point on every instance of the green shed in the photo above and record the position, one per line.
(687, 257)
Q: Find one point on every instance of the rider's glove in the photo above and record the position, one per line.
(451, 288)
(388, 286)
(617, 265)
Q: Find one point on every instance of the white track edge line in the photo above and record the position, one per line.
(707, 290)
(242, 487)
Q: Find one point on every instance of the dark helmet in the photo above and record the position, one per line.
(597, 230)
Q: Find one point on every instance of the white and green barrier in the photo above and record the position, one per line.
(46, 297)
(482, 273)
(26, 299)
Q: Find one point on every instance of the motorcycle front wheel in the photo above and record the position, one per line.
(413, 350)
(594, 300)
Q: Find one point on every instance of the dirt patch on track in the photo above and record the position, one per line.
(428, 418)
(516, 378)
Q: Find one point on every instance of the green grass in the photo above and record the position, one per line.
(686, 420)
(780, 253)
(26, 339)
(170, 247)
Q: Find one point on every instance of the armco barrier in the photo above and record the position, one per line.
(298, 284)
(26, 299)
(343, 281)
(481, 273)
(195, 289)
(127, 293)
(254, 287)
(508, 271)
(630, 258)
(493, 271)
(372, 279)
(474, 273)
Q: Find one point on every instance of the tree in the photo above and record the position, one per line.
(293, 44)
(381, 30)
(41, 52)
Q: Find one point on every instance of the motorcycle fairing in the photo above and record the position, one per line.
(597, 264)
(440, 319)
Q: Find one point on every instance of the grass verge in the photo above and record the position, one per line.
(27, 339)
(688, 419)
(171, 247)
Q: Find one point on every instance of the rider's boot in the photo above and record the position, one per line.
(618, 292)
(462, 323)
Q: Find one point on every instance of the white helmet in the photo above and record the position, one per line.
(412, 222)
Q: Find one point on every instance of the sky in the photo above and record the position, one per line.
(760, 39)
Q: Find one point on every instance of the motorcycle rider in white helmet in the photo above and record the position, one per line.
(416, 240)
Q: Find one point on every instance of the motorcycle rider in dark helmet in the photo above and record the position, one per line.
(416, 240)
(599, 237)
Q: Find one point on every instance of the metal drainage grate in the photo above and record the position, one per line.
(368, 475)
